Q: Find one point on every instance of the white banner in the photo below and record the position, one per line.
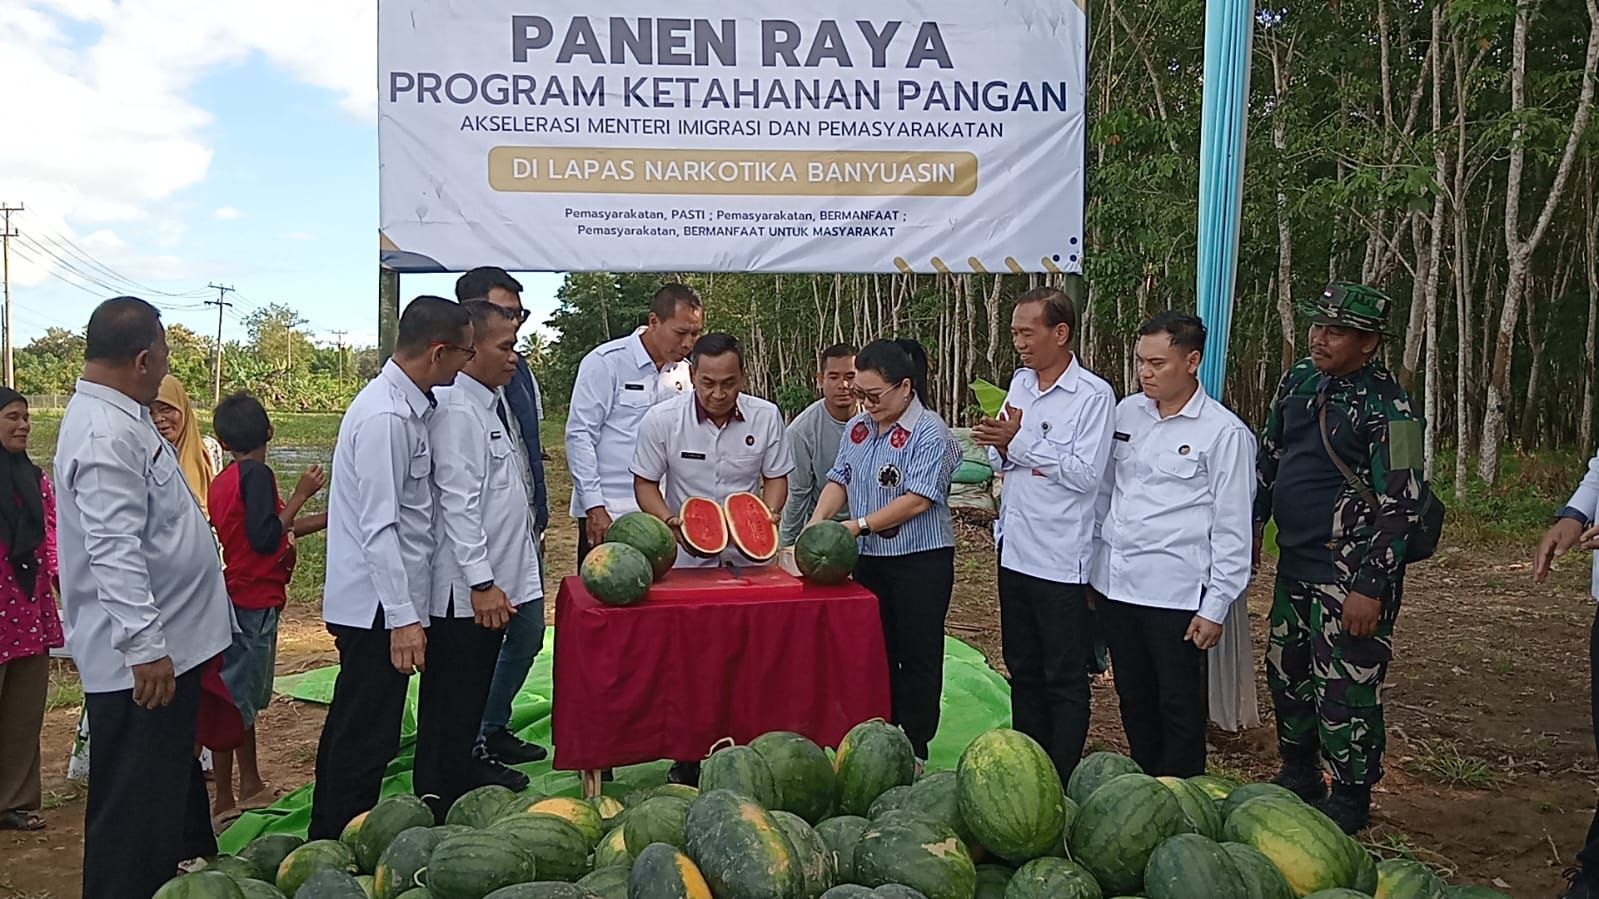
(625, 135)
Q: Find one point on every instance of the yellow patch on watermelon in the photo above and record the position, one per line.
(608, 806)
(694, 885)
(1288, 854)
(949, 848)
(347, 836)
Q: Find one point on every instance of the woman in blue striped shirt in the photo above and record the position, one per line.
(893, 471)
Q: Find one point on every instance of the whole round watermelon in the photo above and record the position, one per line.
(473, 865)
(659, 819)
(1202, 812)
(992, 881)
(1120, 826)
(815, 858)
(1475, 892)
(1190, 866)
(739, 848)
(559, 849)
(801, 774)
(387, 820)
(1052, 878)
(850, 891)
(542, 890)
(237, 868)
(612, 851)
(200, 885)
(662, 872)
(742, 770)
(330, 883)
(607, 883)
(914, 850)
(479, 807)
(1214, 786)
(1339, 893)
(1309, 850)
(585, 817)
(403, 860)
(841, 835)
(1245, 793)
(1262, 880)
(616, 574)
(1401, 878)
(268, 851)
(825, 553)
(1096, 769)
(937, 795)
(893, 799)
(873, 757)
(649, 535)
(298, 866)
(1010, 795)
(259, 889)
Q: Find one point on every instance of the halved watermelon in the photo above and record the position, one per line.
(750, 523)
(703, 525)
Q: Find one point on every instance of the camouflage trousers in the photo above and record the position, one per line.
(1326, 686)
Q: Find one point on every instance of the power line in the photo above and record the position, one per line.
(221, 302)
(5, 274)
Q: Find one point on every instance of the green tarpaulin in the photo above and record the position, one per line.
(976, 699)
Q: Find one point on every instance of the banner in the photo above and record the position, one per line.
(824, 136)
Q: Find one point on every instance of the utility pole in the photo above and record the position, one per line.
(5, 275)
(294, 321)
(221, 302)
(338, 337)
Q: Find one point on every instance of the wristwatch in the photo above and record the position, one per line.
(479, 588)
(866, 529)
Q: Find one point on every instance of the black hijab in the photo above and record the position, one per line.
(21, 507)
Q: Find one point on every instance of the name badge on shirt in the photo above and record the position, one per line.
(697, 457)
(1123, 436)
(496, 435)
(638, 387)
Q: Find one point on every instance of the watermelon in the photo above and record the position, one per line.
(268, 851)
(826, 553)
(200, 885)
(418, 893)
(298, 866)
(1096, 769)
(841, 834)
(331, 883)
(1072, 810)
(815, 858)
(1339, 893)
(1474, 892)
(897, 891)
(560, 851)
(365, 882)
(662, 872)
(657, 820)
(584, 816)
(916, 851)
(406, 857)
(612, 851)
(235, 867)
(607, 883)
(386, 821)
(1119, 827)
(541, 891)
(259, 889)
(740, 849)
(1052, 878)
(850, 891)
(873, 757)
(1243, 794)
(1213, 785)
(616, 574)
(1363, 868)
(1190, 866)
(750, 525)
(1010, 795)
(703, 526)
(683, 790)
(937, 795)
(1309, 850)
(609, 807)
(801, 774)
(649, 535)
(1204, 818)
(893, 799)
(742, 770)
(479, 807)
(473, 865)
(1401, 878)
(1262, 880)
(992, 880)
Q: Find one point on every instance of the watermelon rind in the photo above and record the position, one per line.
(1052, 878)
(405, 857)
(937, 795)
(1338, 893)
(581, 814)
(873, 757)
(210, 884)
(1096, 769)
(1010, 795)
(260, 889)
(1402, 878)
(268, 851)
(739, 848)
(545, 890)
(479, 807)
(559, 849)
(306, 860)
(235, 867)
(892, 800)
(992, 880)
(330, 883)
(1203, 815)
(1119, 827)
(914, 850)
(660, 819)
(1250, 791)
(1309, 850)
(703, 526)
(841, 834)
(649, 535)
(616, 574)
(608, 882)
(801, 773)
(1262, 880)
(1471, 891)
(815, 857)
(826, 552)
(1191, 866)
(850, 891)
(750, 526)
(387, 820)
(742, 770)
(472, 865)
(612, 851)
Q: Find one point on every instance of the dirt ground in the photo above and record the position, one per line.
(1492, 770)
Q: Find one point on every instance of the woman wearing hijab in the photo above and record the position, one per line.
(30, 626)
(200, 457)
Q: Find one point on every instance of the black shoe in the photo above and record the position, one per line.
(487, 771)
(1349, 807)
(1579, 885)
(686, 773)
(1301, 773)
(504, 746)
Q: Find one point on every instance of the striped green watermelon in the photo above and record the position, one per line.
(1245, 793)
(657, 820)
(1010, 795)
(1052, 878)
(872, 758)
(365, 882)
(1309, 850)
(259, 889)
(801, 774)
(386, 821)
(235, 867)
(585, 817)
(649, 535)
(1072, 809)
(1401, 878)
(937, 795)
(916, 851)
(616, 574)
(850, 891)
(662, 872)
(200, 885)
(545, 890)
(560, 851)
(331, 883)
(992, 880)
(1364, 867)
(841, 835)
(1096, 769)
(740, 850)
(1204, 818)
(607, 883)
(473, 865)
(1262, 880)
(815, 858)
(418, 893)
(1339, 893)
(683, 790)
(1475, 892)
(612, 851)
(406, 856)
(479, 807)
(1119, 827)
(893, 799)
(268, 851)
(826, 553)
(610, 808)
(897, 891)
(1190, 866)
(742, 770)
(298, 866)
(1214, 785)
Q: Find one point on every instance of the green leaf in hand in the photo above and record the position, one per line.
(989, 397)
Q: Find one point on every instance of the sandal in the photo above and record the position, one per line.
(225, 820)
(17, 819)
(262, 798)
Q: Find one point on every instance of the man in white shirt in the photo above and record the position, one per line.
(1052, 443)
(617, 382)
(376, 597)
(1176, 515)
(485, 570)
(814, 436)
(144, 608)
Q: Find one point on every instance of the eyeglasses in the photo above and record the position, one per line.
(469, 352)
(871, 397)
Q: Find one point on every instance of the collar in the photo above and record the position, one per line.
(473, 389)
(420, 403)
(114, 397)
(641, 354)
(701, 416)
(1068, 380)
(912, 415)
(1190, 409)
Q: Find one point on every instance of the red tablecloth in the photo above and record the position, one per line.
(710, 654)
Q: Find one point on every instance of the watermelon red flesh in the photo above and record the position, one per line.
(616, 574)
(647, 534)
(749, 523)
(703, 526)
(826, 553)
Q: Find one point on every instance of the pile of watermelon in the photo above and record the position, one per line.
(781, 819)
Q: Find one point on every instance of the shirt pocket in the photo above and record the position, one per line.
(1176, 466)
(635, 395)
(502, 462)
(171, 490)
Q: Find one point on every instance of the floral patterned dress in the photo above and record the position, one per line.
(31, 624)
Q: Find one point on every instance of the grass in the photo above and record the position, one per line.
(65, 690)
(1443, 761)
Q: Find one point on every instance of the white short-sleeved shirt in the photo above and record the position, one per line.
(617, 382)
(688, 455)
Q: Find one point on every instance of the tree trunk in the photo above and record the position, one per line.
(1591, 241)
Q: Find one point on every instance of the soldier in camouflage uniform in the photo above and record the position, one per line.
(1340, 571)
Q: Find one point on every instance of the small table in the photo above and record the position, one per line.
(711, 653)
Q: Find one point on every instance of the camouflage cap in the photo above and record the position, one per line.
(1350, 306)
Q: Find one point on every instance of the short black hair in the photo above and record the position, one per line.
(664, 303)
(837, 351)
(428, 320)
(895, 361)
(1187, 332)
(120, 329)
(1058, 307)
(476, 283)
(482, 312)
(716, 344)
(241, 422)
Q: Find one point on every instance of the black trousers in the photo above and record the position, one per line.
(362, 731)
(1162, 683)
(1048, 644)
(1588, 858)
(913, 594)
(147, 808)
(583, 545)
(461, 656)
